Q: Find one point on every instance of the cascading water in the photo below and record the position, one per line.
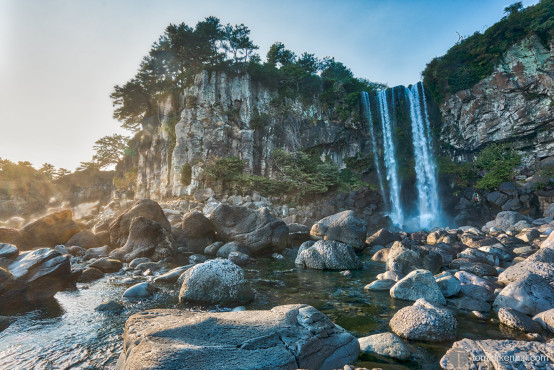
(396, 214)
(367, 111)
(428, 205)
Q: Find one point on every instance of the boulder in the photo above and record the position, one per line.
(385, 344)
(140, 290)
(523, 269)
(477, 292)
(48, 231)
(498, 354)
(469, 304)
(216, 282)
(286, 337)
(342, 227)
(298, 234)
(228, 248)
(403, 260)
(197, 258)
(120, 228)
(381, 255)
(110, 307)
(381, 285)
(545, 319)
(531, 295)
(549, 211)
(239, 258)
(107, 265)
(425, 322)
(171, 276)
(43, 271)
(469, 278)
(257, 230)
(383, 237)
(329, 255)
(8, 251)
(8, 235)
(448, 284)
(98, 252)
(137, 261)
(418, 284)
(211, 250)
(517, 320)
(302, 248)
(87, 239)
(147, 238)
(506, 219)
(90, 274)
(195, 233)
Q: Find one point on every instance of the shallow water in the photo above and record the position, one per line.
(66, 332)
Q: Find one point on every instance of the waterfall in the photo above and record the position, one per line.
(367, 111)
(428, 205)
(396, 214)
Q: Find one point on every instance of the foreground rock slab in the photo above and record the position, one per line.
(498, 354)
(286, 337)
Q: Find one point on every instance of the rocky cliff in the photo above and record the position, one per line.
(220, 116)
(514, 104)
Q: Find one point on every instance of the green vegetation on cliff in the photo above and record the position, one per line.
(182, 52)
(475, 57)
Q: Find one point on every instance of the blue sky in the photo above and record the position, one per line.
(59, 59)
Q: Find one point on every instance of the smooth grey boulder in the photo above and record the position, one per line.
(425, 322)
(230, 247)
(448, 284)
(342, 227)
(96, 252)
(197, 258)
(216, 281)
(385, 344)
(239, 258)
(195, 233)
(403, 260)
(380, 285)
(498, 354)
(140, 290)
(137, 261)
(418, 284)
(107, 265)
(147, 238)
(329, 255)
(211, 250)
(257, 230)
(517, 320)
(477, 292)
(545, 319)
(285, 337)
(383, 237)
(506, 219)
(110, 307)
(469, 278)
(531, 295)
(172, 275)
(90, 274)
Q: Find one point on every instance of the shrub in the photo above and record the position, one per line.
(186, 174)
(498, 162)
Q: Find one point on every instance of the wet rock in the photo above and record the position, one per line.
(469, 278)
(87, 239)
(531, 295)
(239, 258)
(48, 231)
(389, 275)
(342, 227)
(195, 233)
(90, 274)
(286, 337)
(545, 319)
(383, 237)
(506, 219)
(381, 255)
(257, 230)
(107, 265)
(470, 304)
(477, 268)
(137, 261)
(146, 238)
(448, 284)
(329, 255)
(172, 275)
(497, 354)
(385, 344)
(111, 306)
(141, 290)
(8, 251)
(517, 320)
(197, 258)
(120, 228)
(380, 285)
(228, 248)
(418, 284)
(425, 322)
(477, 292)
(211, 250)
(216, 282)
(403, 260)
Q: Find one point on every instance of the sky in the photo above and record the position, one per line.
(59, 59)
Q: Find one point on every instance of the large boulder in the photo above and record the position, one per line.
(147, 238)
(403, 260)
(383, 237)
(545, 319)
(514, 319)
(329, 255)
(425, 322)
(87, 239)
(342, 227)
(48, 231)
(507, 219)
(43, 272)
(256, 230)
(286, 337)
(531, 294)
(195, 233)
(385, 344)
(524, 269)
(107, 265)
(418, 284)
(498, 354)
(120, 228)
(216, 282)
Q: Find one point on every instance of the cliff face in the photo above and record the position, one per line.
(514, 104)
(220, 117)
